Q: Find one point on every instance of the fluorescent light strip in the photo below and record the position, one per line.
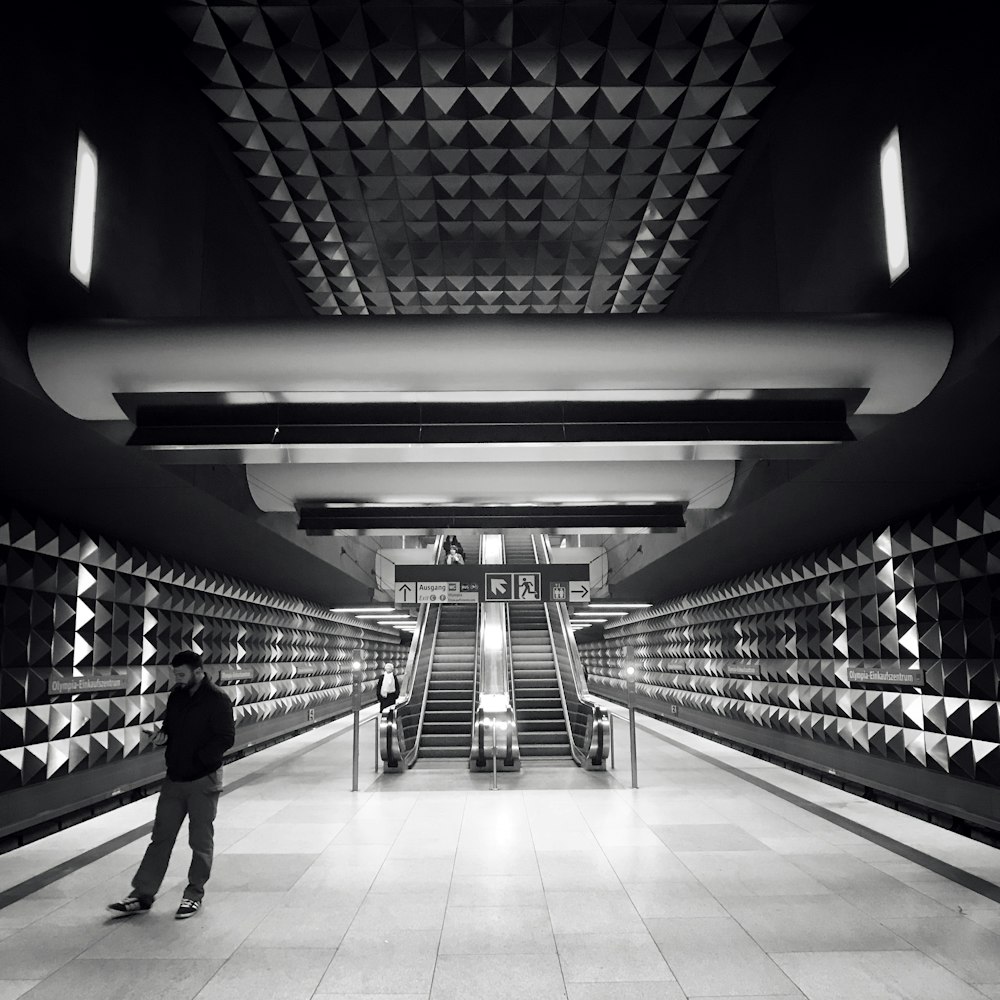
(81, 250)
(893, 207)
(607, 607)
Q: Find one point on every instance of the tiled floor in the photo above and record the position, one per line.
(561, 884)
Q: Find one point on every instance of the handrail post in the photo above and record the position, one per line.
(356, 697)
(630, 674)
(611, 737)
(494, 753)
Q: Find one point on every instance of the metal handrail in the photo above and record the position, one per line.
(428, 616)
(597, 722)
(476, 667)
(577, 754)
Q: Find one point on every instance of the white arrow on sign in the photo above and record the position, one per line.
(579, 591)
(498, 586)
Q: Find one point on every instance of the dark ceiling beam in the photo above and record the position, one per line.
(266, 424)
(318, 518)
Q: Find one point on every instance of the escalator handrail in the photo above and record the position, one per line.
(409, 671)
(578, 756)
(476, 667)
(576, 667)
(411, 754)
(581, 690)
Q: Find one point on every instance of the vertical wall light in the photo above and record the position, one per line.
(893, 208)
(81, 250)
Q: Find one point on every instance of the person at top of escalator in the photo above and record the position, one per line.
(454, 551)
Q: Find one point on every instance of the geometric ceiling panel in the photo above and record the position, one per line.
(498, 157)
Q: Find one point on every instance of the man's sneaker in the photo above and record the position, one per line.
(129, 906)
(188, 908)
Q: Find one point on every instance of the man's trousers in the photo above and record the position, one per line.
(197, 800)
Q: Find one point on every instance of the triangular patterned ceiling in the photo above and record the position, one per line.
(488, 157)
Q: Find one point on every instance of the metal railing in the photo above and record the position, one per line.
(492, 712)
(587, 723)
(404, 723)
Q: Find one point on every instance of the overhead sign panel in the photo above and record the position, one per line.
(417, 584)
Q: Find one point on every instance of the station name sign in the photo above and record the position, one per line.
(86, 685)
(569, 582)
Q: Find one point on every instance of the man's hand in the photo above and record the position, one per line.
(156, 735)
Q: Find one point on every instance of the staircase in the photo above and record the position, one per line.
(447, 723)
(541, 725)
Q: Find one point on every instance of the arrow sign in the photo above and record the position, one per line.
(404, 589)
(498, 586)
(579, 591)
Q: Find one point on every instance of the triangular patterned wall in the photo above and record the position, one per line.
(538, 156)
(76, 605)
(920, 595)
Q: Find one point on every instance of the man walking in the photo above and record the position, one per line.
(197, 730)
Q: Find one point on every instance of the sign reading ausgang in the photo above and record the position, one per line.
(458, 584)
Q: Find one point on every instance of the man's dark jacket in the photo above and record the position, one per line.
(199, 730)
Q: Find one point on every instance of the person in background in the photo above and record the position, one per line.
(454, 551)
(197, 730)
(388, 687)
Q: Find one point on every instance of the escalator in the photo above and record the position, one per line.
(448, 712)
(538, 704)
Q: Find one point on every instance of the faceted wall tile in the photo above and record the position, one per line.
(922, 594)
(88, 609)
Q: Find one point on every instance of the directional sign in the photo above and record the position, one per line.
(498, 586)
(442, 584)
(432, 593)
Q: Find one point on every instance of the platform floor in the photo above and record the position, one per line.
(721, 876)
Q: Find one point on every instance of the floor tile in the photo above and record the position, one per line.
(967, 948)
(673, 899)
(494, 890)
(400, 912)
(591, 912)
(731, 873)
(257, 872)
(812, 923)
(268, 974)
(498, 977)
(873, 975)
(12, 989)
(577, 870)
(645, 864)
(708, 837)
(37, 951)
(611, 958)
(401, 963)
(489, 930)
(315, 926)
(715, 956)
(625, 991)
(126, 978)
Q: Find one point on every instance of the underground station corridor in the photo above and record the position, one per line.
(499, 498)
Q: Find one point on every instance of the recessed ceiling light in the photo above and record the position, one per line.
(81, 250)
(893, 207)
